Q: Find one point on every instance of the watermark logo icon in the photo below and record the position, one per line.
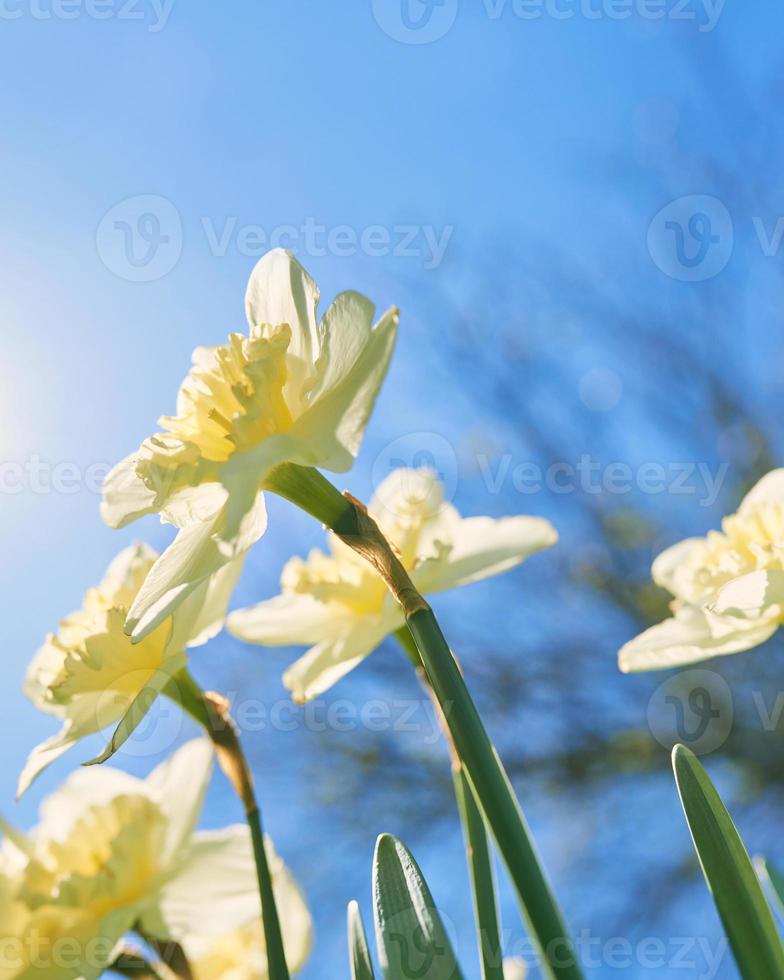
(415, 21)
(416, 951)
(692, 238)
(140, 239)
(694, 708)
(417, 451)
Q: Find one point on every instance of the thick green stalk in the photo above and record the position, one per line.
(344, 515)
(478, 855)
(496, 797)
(211, 711)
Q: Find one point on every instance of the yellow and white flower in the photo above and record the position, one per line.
(114, 853)
(339, 603)
(241, 954)
(294, 390)
(728, 586)
(91, 676)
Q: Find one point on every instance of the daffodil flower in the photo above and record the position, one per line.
(339, 603)
(728, 586)
(294, 390)
(241, 954)
(114, 853)
(89, 673)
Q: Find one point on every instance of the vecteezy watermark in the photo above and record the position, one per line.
(693, 707)
(691, 239)
(426, 21)
(704, 14)
(702, 956)
(140, 239)
(42, 477)
(160, 721)
(697, 708)
(426, 243)
(154, 14)
(415, 21)
(591, 476)
(415, 451)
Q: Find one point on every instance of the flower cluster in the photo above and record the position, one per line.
(728, 586)
(113, 853)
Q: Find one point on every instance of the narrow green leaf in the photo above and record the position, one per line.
(361, 964)
(482, 880)
(494, 793)
(412, 941)
(770, 873)
(478, 855)
(745, 914)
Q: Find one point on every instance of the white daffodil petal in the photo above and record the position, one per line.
(215, 889)
(44, 755)
(482, 547)
(667, 566)
(203, 614)
(687, 638)
(334, 424)
(324, 665)
(280, 291)
(345, 331)
(286, 619)
(82, 789)
(194, 505)
(768, 490)
(179, 785)
(125, 496)
(240, 953)
(197, 553)
(753, 596)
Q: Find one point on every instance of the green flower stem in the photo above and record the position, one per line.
(478, 854)
(496, 797)
(211, 712)
(344, 515)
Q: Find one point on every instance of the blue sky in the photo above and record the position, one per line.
(273, 118)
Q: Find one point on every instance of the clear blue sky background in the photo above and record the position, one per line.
(271, 114)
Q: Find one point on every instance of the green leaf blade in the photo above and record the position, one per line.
(728, 870)
(412, 941)
(359, 954)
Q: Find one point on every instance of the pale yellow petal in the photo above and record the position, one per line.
(324, 665)
(125, 496)
(198, 552)
(483, 546)
(768, 490)
(280, 291)
(287, 620)
(335, 422)
(179, 785)
(668, 566)
(758, 595)
(687, 638)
